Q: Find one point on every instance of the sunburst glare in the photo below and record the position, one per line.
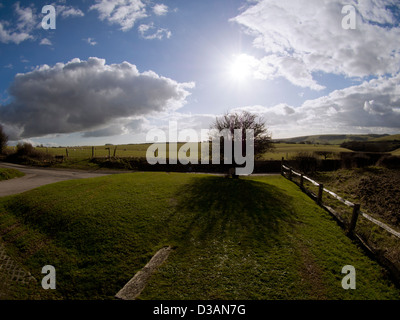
(241, 68)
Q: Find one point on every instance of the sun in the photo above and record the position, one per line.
(240, 69)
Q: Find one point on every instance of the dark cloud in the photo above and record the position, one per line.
(113, 130)
(87, 95)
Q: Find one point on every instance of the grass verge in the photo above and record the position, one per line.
(6, 174)
(376, 189)
(255, 238)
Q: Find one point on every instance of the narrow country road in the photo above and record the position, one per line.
(36, 177)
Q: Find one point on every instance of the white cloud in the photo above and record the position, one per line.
(82, 96)
(7, 36)
(150, 32)
(302, 37)
(196, 122)
(137, 125)
(122, 12)
(68, 11)
(26, 17)
(90, 41)
(28, 21)
(371, 11)
(45, 42)
(160, 9)
(20, 30)
(373, 106)
(274, 66)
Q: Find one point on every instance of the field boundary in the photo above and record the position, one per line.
(289, 173)
(344, 201)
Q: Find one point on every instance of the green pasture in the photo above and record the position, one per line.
(139, 151)
(249, 238)
(396, 152)
(288, 151)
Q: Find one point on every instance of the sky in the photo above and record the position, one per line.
(109, 71)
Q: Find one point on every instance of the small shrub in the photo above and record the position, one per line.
(390, 162)
(26, 149)
(305, 162)
(27, 154)
(3, 140)
(352, 160)
(325, 154)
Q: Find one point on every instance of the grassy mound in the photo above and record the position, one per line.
(256, 238)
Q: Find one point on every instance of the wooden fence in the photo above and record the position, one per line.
(318, 198)
(350, 226)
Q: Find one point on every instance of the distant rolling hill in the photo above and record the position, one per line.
(338, 139)
(393, 137)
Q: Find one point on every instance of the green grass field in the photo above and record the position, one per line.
(396, 152)
(84, 152)
(317, 143)
(249, 238)
(6, 174)
(288, 151)
(139, 151)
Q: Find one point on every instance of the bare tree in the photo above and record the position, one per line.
(244, 121)
(3, 140)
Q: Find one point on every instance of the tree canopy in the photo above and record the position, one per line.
(3, 140)
(243, 121)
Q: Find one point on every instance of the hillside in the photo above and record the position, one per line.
(393, 137)
(333, 138)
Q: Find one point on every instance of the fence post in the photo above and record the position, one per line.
(282, 171)
(302, 181)
(66, 152)
(353, 222)
(290, 174)
(320, 192)
(92, 152)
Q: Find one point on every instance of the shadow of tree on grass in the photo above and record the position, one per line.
(234, 207)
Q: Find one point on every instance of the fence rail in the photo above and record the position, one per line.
(393, 266)
(344, 201)
(382, 225)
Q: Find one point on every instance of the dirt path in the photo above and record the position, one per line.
(36, 177)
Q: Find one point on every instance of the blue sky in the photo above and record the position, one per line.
(114, 69)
